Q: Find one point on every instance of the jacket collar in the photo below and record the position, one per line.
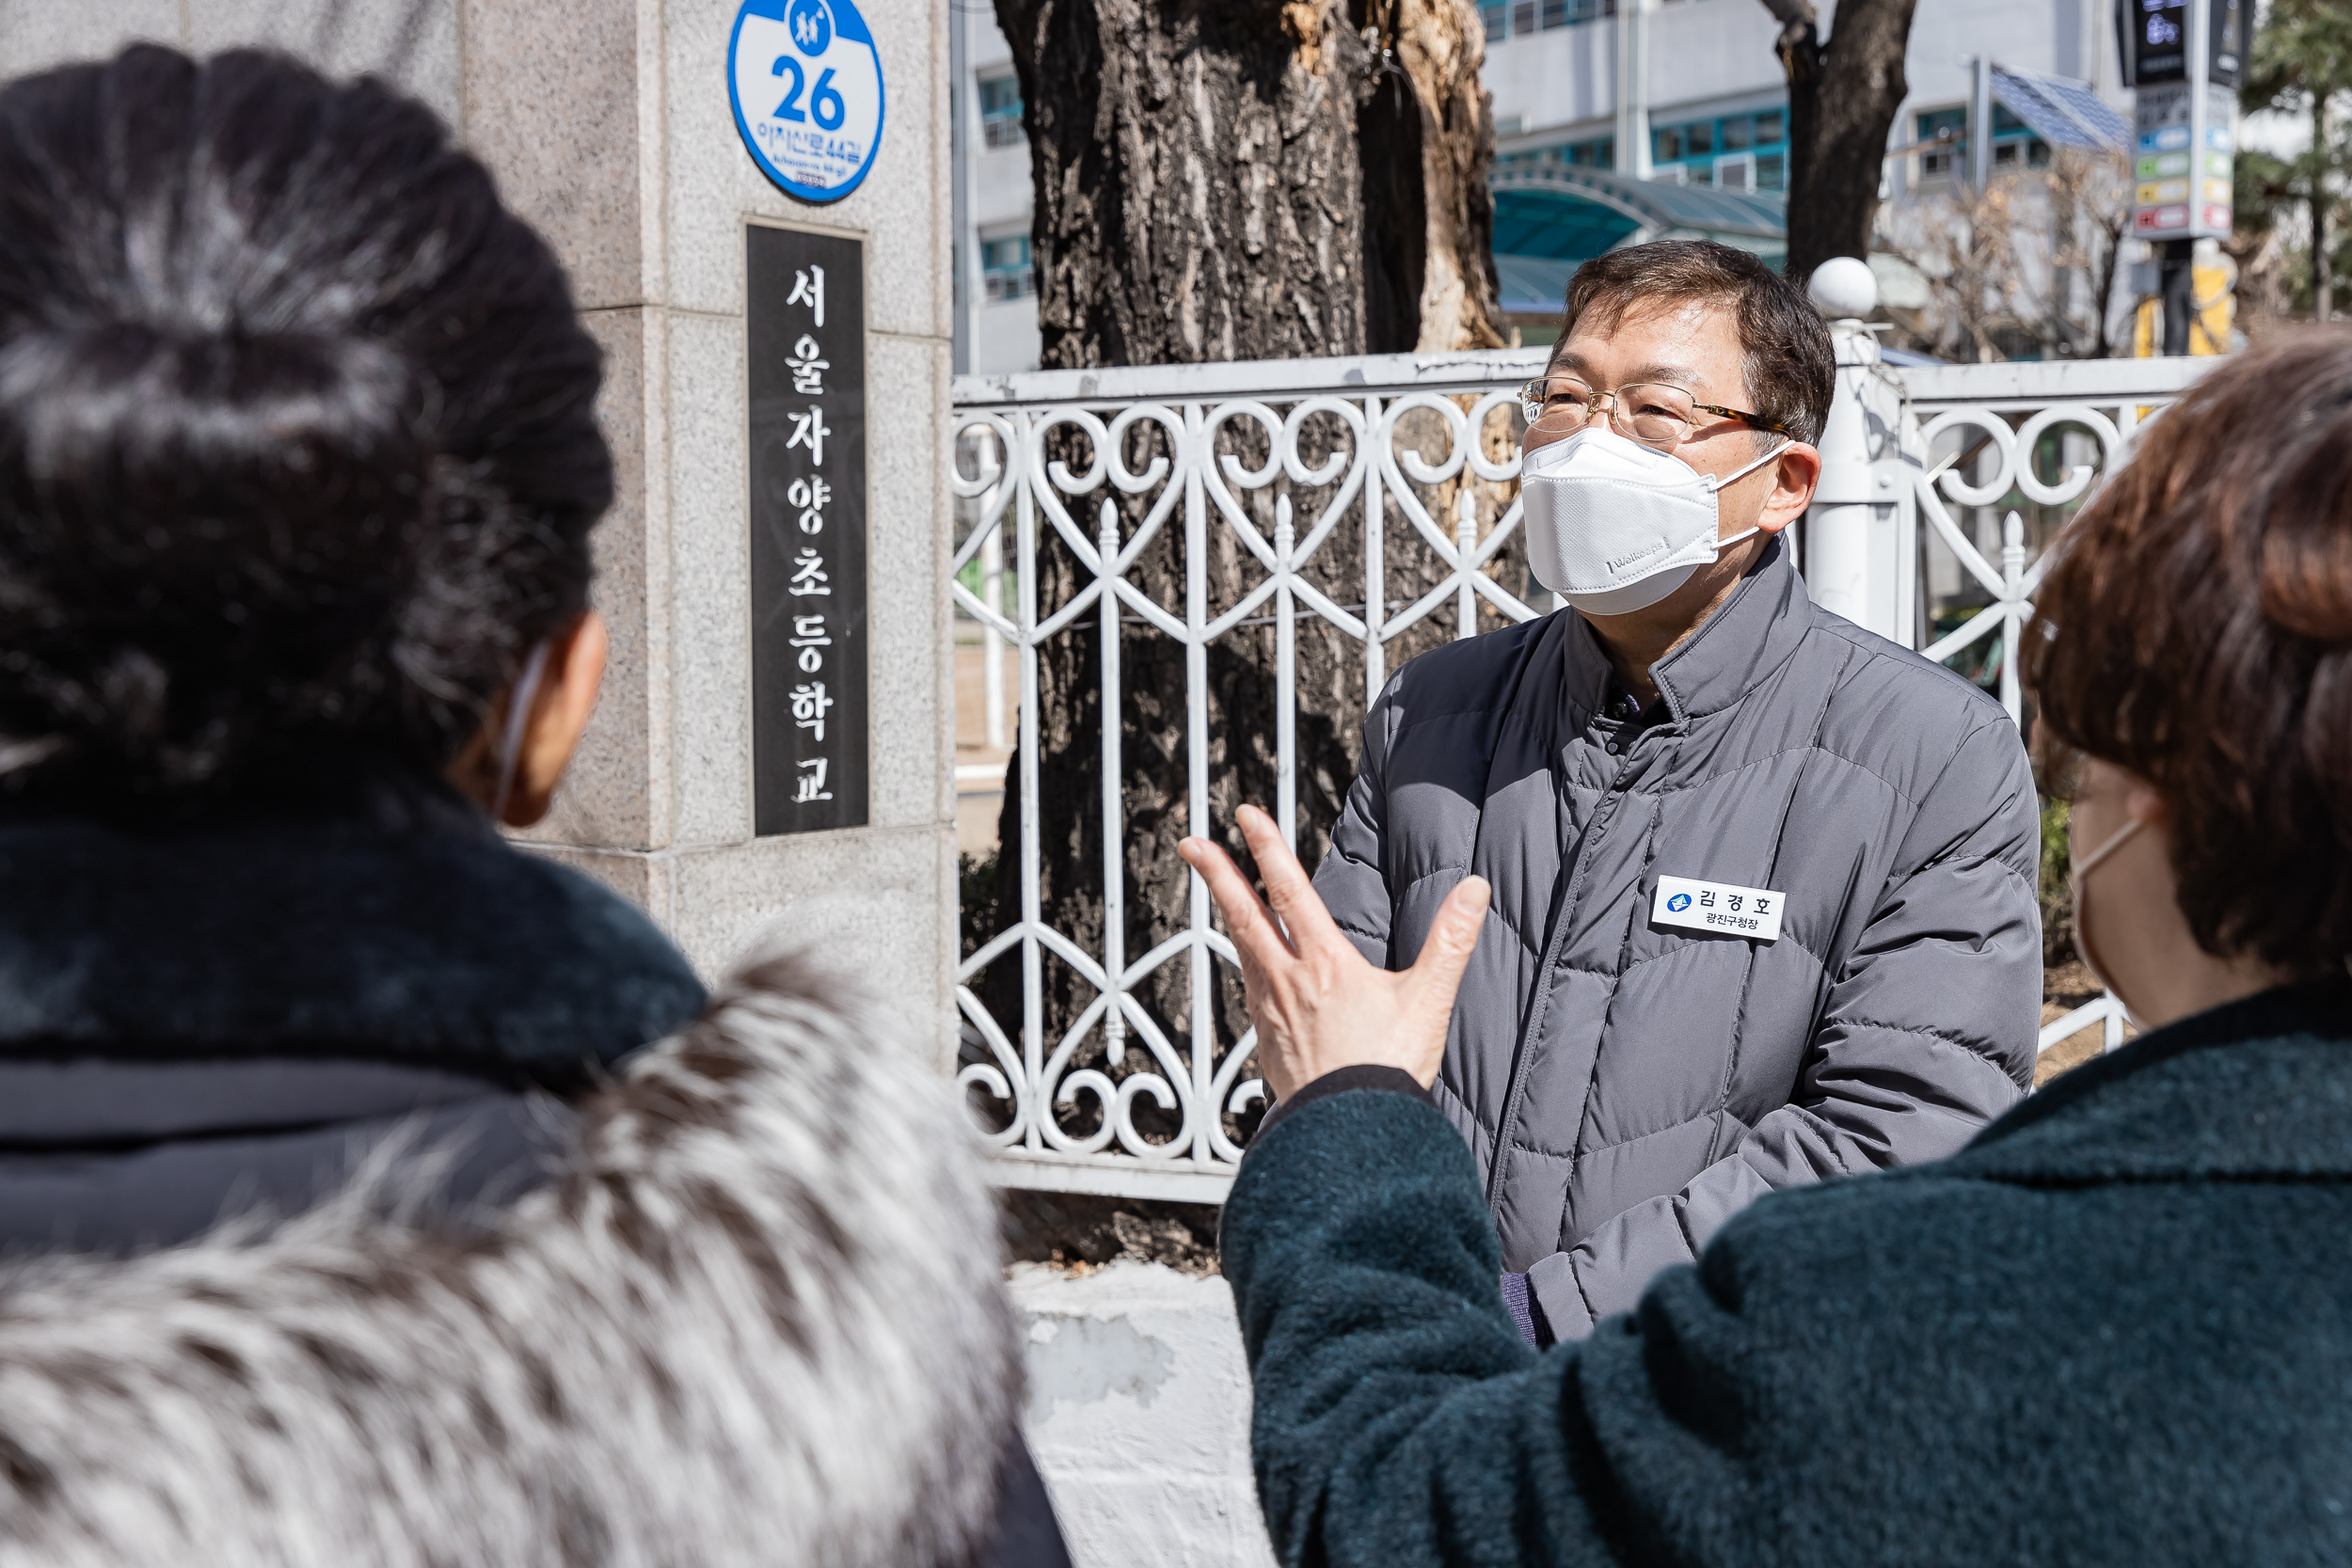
(2256, 1089)
(1747, 638)
(1750, 635)
(377, 918)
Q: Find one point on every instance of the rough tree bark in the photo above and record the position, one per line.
(1432, 120)
(1843, 98)
(1220, 180)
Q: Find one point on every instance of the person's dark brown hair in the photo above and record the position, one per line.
(2196, 630)
(1792, 366)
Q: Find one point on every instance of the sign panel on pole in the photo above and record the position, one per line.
(2183, 153)
(2159, 42)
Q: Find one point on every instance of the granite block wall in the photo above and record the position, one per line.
(608, 125)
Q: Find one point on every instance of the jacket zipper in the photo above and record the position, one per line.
(1523, 1059)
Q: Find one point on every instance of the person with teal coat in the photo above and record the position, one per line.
(2117, 1328)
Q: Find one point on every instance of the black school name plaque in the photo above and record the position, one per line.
(805, 312)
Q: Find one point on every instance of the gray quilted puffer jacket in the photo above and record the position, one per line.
(1627, 1087)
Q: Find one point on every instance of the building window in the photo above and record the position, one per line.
(2015, 145)
(1598, 152)
(1945, 127)
(1000, 111)
(1733, 152)
(1517, 18)
(1005, 269)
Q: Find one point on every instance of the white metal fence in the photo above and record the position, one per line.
(2096, 407)
(1949, 447)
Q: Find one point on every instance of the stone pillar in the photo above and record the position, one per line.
(608, 125)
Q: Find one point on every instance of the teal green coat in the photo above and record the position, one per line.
(2116, 1329)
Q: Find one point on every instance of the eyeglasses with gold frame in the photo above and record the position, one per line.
(1654, 413)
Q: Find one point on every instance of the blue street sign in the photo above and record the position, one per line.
(806, 85)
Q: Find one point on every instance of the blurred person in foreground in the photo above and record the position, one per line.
(2113, 1330)
(1692, 745)
(299, 464)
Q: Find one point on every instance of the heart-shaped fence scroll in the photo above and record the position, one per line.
(2015, 581)
(1464, 561)
(1934, 486)
(1283, 558)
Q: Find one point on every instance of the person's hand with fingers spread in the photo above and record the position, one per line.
(1317, 1004)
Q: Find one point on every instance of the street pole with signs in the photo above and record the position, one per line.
(2182, 59)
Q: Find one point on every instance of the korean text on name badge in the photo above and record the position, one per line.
(1717, 907)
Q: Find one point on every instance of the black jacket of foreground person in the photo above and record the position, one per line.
(2116, 1329)
(730, 1299)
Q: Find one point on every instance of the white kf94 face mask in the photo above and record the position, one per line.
(1613, 526)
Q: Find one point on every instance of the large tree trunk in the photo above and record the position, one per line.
(1843, 98)
(1198, 194)
(1439, 46)
(1220, 180)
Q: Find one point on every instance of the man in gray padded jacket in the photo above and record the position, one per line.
(1764, 883)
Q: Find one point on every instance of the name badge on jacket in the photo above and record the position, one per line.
(1719, 907)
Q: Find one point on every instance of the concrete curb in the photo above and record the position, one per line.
(1138, 1414)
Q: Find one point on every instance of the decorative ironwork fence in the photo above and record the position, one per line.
(1227, 436)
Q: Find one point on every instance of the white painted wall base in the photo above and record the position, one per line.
(1138, 1414)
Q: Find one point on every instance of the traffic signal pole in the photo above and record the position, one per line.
(2176, 258)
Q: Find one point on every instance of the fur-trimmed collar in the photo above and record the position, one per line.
(385, 920)
(755, 1318)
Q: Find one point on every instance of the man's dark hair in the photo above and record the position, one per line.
(298, 444)
(1791, 368)
(2196, 630)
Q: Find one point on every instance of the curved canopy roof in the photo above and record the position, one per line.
(1551, 221)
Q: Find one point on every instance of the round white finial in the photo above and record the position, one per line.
(1843, 286)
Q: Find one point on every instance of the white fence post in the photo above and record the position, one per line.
(1114, 777)
(992, 646)
(1854, 546)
